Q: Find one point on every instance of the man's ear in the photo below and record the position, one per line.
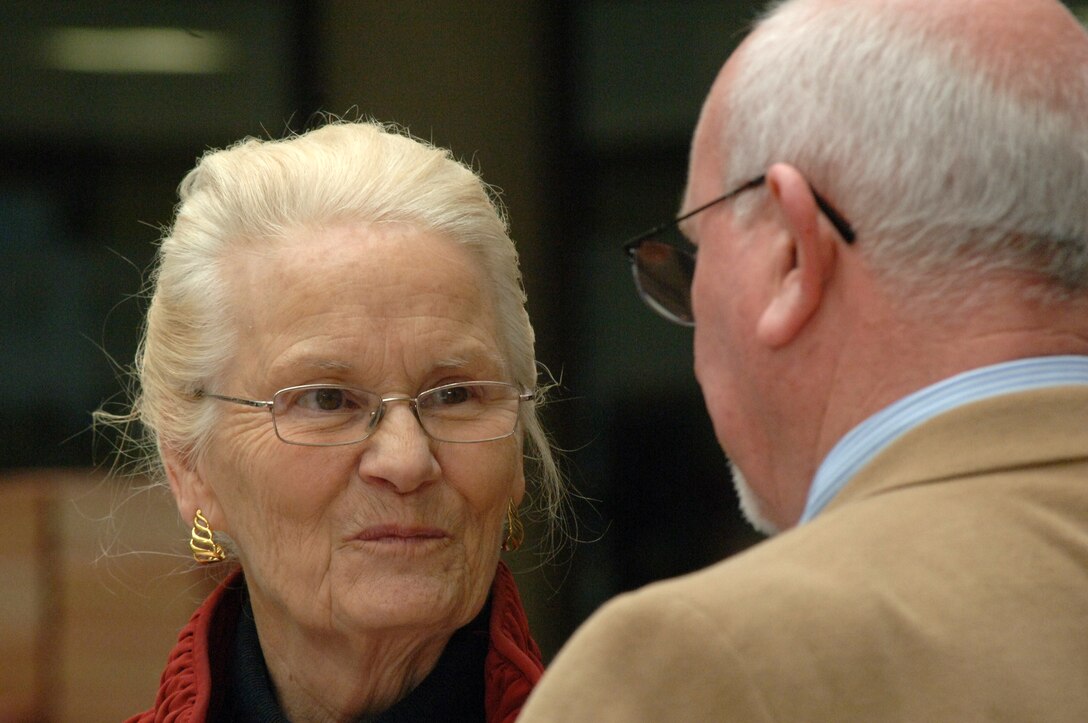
(804, 261)
(191, 491)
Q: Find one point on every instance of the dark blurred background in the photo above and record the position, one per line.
(579, 111)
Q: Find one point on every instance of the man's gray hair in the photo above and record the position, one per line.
(946, 160)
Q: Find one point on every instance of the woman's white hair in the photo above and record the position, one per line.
(258, 191)
(945, 159)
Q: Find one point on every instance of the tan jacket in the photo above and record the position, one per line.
(947, 582)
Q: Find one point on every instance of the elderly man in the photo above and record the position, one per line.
(891, 333)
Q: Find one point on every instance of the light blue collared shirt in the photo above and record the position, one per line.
(868, 439)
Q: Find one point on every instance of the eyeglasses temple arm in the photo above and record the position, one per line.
(235, 400)
(837, 220)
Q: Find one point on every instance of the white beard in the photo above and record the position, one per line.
(750, 505)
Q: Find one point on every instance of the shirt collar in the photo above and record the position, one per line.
(861, 444)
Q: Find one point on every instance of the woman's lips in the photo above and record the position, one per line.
(401, 533)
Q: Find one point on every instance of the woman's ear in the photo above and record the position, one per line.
(191, 491)
(805, 258)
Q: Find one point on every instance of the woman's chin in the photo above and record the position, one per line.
(412, 597)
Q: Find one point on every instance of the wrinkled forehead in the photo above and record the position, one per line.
(346, 287)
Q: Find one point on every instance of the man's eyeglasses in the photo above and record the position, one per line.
(327, 415)
(663, 271)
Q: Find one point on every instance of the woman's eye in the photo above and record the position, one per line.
(327, 399)
(454, 395)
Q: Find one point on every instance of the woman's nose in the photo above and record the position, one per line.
(398, 453)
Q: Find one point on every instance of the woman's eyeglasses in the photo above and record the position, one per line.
(664, 270)
(327, 415)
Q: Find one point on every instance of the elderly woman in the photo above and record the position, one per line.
(338, 379)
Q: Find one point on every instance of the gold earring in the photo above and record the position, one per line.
(515, 531)
(205, 549)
